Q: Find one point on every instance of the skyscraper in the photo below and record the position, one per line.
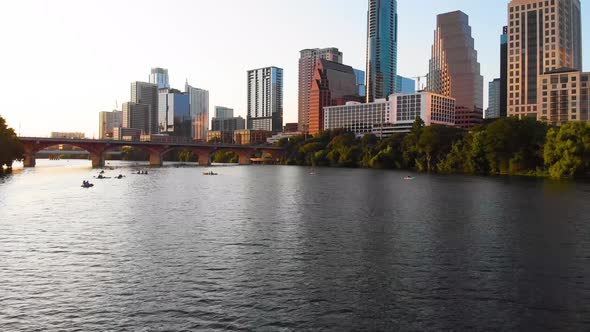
(107, 121)
(361, 82)
(159, 77)
(136, 116)
(543, 36)
(147, 94)
(494, 92)
(224, 113)
(381, 49)
(199, 110)
(333, 84)
(405, 85)
(454, 70)
(265, 99)
(174, 118)
(503, 108)
(307, 61)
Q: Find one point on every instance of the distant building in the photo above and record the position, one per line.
(174, 113)
(228, 125)
(361, 83)
(107, 121)
(223, 112)
(137, 116)
(385, 117)
(565, 96)
(543, 36)
(307, 61)
(126, 134)
(405, 85)
(265, 99)
(290, 127)
(220, 136)
(332, 83)
(454, 70)
(159, 77)
(494, 91)
(147, 94)
(199, 110)
(381, 49)
(277, 137)
(67, 135)
(251, 137)
(504, 73)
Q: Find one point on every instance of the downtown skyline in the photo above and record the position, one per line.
(85, 70)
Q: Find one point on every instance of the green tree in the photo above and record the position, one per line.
(567, 151)
(11, 148)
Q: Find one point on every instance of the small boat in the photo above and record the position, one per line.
(87, 185)
(119, 177)
(210, 173)
(101, 177)
(409, 178)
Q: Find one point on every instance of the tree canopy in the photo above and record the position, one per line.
(11, 148)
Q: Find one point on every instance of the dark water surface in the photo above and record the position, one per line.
(275, 248)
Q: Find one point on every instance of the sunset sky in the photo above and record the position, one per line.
(65, 60)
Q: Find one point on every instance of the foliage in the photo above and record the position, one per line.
(507, 146)
(225, 157)
(11, 148)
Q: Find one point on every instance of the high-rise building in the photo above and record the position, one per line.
(136, 116)
(147, 94)
(567, 94)
(381, 49)
(265, 99)
(504, 73)
(175, 117)
(159, 77)
(333, 84)
(199, 110)
(107, 121)
(454, 70)
(405, 85)
(361, 80)
(307, 61)
(228, 124)
(223, 112)
(494, 92)
(543, 36)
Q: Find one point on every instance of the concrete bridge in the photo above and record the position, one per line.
(97, 149)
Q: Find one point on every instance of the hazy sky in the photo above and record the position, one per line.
(63, 61)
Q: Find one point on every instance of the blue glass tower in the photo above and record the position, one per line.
(381, 49)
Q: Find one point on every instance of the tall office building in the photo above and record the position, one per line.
(228, 125)
(107, 121)
(265, 99)
(361, 82)
(307, 61)
(159, 77)
(568, 96)
(224, 113)
(494, 93)
(504, 73)
(136, 116)
(381, 49)
(147, 94)
(405, 85)
(543, 36)
(174, 113)
(333, 84)
(454, 70)
(199, 110)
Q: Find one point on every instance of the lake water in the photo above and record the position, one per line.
(277, 248)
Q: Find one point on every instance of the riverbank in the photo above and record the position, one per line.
(507, 146)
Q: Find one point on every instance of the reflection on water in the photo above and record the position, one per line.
(270, 248)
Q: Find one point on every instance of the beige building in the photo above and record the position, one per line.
(543, 36)
(564, 96)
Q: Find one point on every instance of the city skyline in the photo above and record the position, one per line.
(89, 68)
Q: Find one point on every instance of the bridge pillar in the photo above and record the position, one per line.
(204, 159)
(244, 157)
(156, 159)
(97, 159)
(29, 160)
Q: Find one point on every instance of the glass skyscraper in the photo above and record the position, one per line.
(159, 77)
(265, 99)
(381, 49)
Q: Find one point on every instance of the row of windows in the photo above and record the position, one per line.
(540, 4)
